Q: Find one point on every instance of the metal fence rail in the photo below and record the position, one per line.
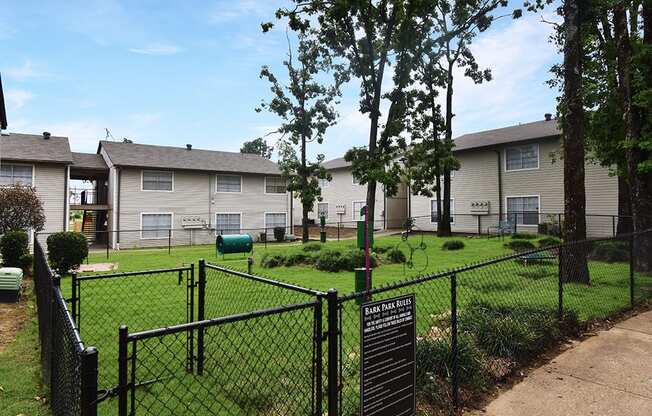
(69, 368)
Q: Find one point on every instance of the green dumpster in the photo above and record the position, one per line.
(11, 279)
(236, 243)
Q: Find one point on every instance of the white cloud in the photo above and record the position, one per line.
(157, 49)
(233, 9)
(25, 71)
(17, 99)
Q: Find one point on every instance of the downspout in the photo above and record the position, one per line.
(500, 185)
(66, 202)
(118, 183)
(385, 215)
(291, 194)
(210, 214)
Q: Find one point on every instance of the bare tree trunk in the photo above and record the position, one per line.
(625, 223)
(444, 224)
(574, 264)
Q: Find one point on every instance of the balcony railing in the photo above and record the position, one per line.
(86, 197)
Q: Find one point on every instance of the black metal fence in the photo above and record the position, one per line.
(227, 342)
(69, 368)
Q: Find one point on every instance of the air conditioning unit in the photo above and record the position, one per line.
(480, 207)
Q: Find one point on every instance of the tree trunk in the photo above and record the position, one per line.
(444, 224)
(625, 224)
(574, 262)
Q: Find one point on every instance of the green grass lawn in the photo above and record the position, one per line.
(274, 356)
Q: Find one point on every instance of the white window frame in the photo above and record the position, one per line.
(328, 207)
(224, 213)
(522, 169)
(142, 180)
(22, 164)
(538, 197)
(452, 210)
(273, 193)
(355, 214)
(228, 192)
(274, 212)
(171, 214)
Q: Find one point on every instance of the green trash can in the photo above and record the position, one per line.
(236, 243)
(360, 283)
(361, 235)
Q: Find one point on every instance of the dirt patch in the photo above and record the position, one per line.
(13, 315)
(97, 267)
(331, 232)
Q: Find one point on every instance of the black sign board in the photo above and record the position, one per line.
(388, 352)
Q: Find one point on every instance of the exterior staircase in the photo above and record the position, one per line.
(89, 225)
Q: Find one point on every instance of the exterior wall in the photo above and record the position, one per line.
(342, 190)
(477, 180)
(193, 194)
(49, 182)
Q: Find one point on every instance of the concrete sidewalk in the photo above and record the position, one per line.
(608, 374)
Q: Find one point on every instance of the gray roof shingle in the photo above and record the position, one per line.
(336, 164)
(166, 157)
(88, 161)
(521, 132)
(34, 148)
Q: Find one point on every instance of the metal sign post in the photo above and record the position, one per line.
(388, 357)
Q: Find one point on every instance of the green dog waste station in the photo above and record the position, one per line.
(236, 243)
(11, 280)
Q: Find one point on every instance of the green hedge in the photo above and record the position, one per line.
(13, 245)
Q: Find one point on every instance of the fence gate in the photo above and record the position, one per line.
(257, 363)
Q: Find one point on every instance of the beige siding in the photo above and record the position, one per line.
(193, 194)
(49, 182)
(341, 190)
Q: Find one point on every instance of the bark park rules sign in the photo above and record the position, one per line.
(388, 350)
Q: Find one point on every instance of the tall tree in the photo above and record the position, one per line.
(257, 147)
(306, 108)
(20, 209)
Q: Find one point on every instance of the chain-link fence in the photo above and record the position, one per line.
(69, 368)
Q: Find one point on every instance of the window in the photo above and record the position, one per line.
(275, 185)
(434, 215)
(16, 175)
(155, 226)
(322, 209)
(324, 183)
(226, 223)
(274, 219)
(228, 183)
(357, 207)
(523, 209)
(157, 180)
(522, 157)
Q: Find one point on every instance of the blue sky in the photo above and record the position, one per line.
(172, 73)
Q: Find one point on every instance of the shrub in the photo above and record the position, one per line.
(382, 250)
(279, 234)
(524, 236)
(269, 261)
(329, 260)
(453, 245)
(26, 261)
(66, 250)
(610, 251)
(295, 259)
(395, 255)
(13, 245)
(549, 241)
(311, 247)
(520, 245)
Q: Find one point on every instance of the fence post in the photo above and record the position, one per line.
(613, 225)
(123, 361)
(456, 381)
(191, 317)
(479, 225)
(250, 265)
(201, 294)
(169, 240)
(107, 245)
(560, 284)
(333, 359)
(73, 301)
(632, 266)
(319, 359)
(338, 231)
(89, 382)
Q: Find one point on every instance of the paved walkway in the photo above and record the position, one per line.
(608, 374)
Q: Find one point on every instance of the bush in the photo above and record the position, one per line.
(311, 247)
(382, 250)
(269, 261)
(395, 255)
(279, 234)
(549, 241)
(298, 258)
(520, 245)
(524, 236)
(66, 250)
(453, 245)
(610, 251)
(335, 261)
(329, 260)
(13, 245)
(26, 261)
